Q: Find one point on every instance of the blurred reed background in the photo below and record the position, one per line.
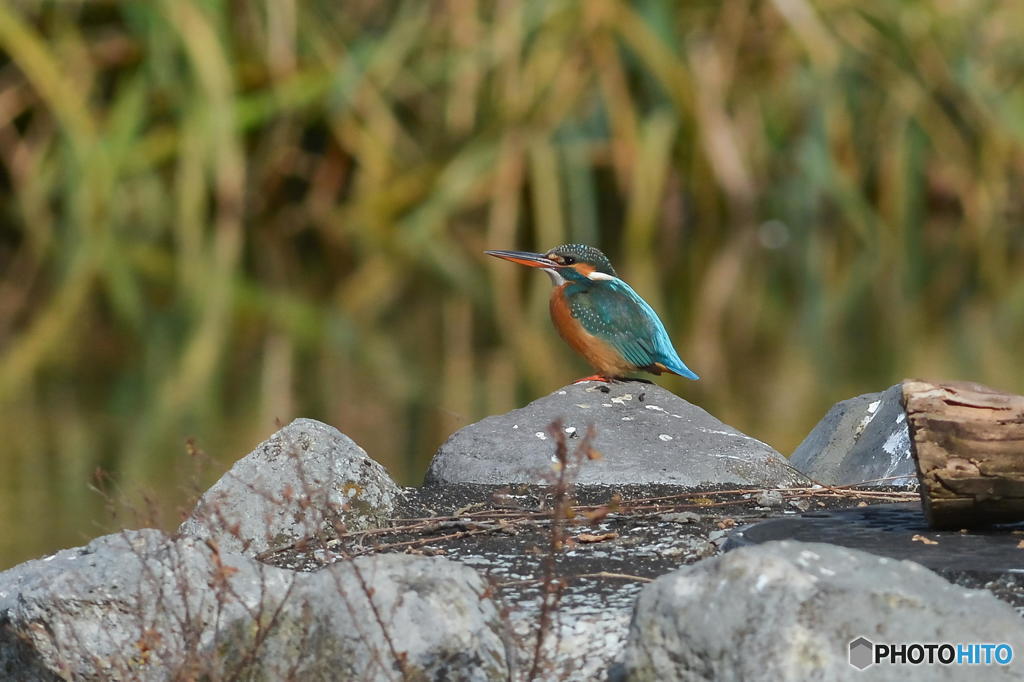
(218, 216)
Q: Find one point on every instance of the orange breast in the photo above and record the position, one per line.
(600, 354)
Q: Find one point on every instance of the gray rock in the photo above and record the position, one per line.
(861, 439)
(769, 498)
(789, 611)
(431, 613)
(680, 517)
(140, 606)
(301, 482)
(122, 607)
(644, 433)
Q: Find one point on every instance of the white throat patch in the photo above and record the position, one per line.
(556, 277)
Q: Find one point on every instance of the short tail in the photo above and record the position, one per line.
(678, 368)
(685, 371)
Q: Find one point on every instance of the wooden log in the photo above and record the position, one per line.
(968, 443)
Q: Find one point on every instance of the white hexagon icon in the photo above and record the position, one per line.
(862, 653)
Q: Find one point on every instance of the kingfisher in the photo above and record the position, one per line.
(600, 316)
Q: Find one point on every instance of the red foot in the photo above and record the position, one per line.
(593, 377)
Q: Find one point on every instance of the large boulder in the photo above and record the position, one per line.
(645, 434)
(862, 439)
(305, 480)
(139, 605)
(791, 610)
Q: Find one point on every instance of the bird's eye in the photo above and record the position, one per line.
(560, 259)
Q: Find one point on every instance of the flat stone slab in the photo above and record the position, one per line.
(645, 435)
(992, 558)
(499, 532)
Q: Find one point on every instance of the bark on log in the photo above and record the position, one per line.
(968, 443)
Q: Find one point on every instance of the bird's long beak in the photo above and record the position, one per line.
(533, 260)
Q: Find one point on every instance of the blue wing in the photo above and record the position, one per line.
(612, 311)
